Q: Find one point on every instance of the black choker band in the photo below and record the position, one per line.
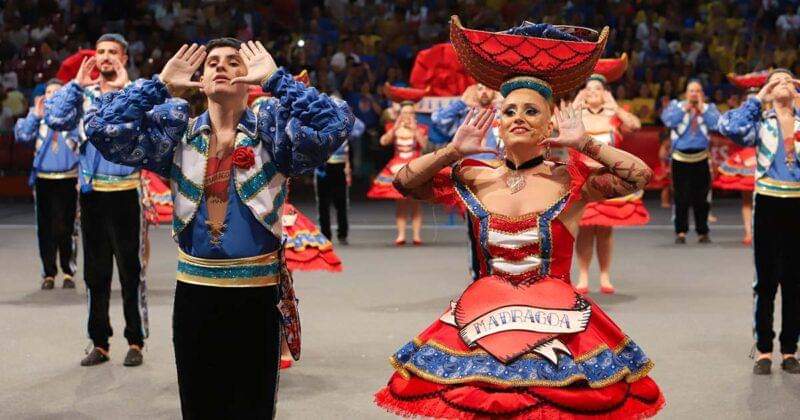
(525, 165)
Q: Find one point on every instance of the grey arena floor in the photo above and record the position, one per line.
(689, 307)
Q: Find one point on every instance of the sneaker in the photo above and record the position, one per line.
(95, 357)
(68, 283)
(790, 365)
(48, 283)
(343, 241)
(134, 357)
(762, 367)
(680, 240)
(704, 239)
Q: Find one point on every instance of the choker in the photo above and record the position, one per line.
(595, 113)
(515, 180)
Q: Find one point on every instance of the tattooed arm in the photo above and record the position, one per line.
(415, 179)
(622, 173)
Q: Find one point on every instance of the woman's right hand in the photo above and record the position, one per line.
(471, 135)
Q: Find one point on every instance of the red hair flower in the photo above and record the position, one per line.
(243, 157)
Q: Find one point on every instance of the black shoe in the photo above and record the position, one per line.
(48, 284)
(680, 240)
(133, 358)
(790, 365)
(95, 357)
(68, 283)
(704, 239)
(343, 241)
(763, 367)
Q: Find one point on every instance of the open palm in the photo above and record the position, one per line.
(177, 73)
(569, 123)
(259, 62)
(471, 135)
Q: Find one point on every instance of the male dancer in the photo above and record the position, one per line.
(111, 218)
(690, 122)
(331, 182)
(776, 135)
(54, 176)
(448, 119)
(228, 171)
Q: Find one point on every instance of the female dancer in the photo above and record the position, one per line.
(520, 343)
(603, 119)
(408, 139)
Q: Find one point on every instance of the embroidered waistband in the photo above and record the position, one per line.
(58, 175)
(110, 183)
(690, 156)
(258, 271)
(776, 188)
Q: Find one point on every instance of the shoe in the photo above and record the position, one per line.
(680, 240)
(417, 242)
(133, 358)
(748, 240)
(399, 242)
(790, 365)
(763, 367)
(582, 290)
(286, 363)
(343, 241)
(704, 239)
(48, 283)
(68, 283)
(607, 290)
(95, 357)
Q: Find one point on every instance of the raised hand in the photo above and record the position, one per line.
(259, 62)
(38, 106)
(177, 73)
(580, 99)
(470, 137)
(569, 123)
(470, 96)
(766, 92)
(84, 76)
(122, 78)
(609, 102)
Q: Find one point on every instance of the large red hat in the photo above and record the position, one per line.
(70, 66)
(492, 58)
(612, 68)
(438, 68)
(405, 94)
(750, 80)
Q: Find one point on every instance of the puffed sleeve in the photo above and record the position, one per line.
(139, 126)
(448, 119)
(26, 129)
(741, 124)
(711, 117)
(673, 114)
(63, 111)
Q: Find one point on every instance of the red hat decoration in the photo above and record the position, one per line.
(71, 65)
(405, 94)
(612, 68)
(492, 58)
(438, 67)
(754, 80)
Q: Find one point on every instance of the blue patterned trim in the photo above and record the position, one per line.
(277, 204)
(199, 143)
(436, 363)
(546, 243)
(247, 141)
(186, 187)
(302, 240)
(539, 86)
(177, 224)
(256, 183)
(383, 179)
(731, 170)
(476, 209)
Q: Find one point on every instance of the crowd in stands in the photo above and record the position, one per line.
(352, 47)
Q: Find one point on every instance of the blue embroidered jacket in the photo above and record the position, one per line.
(449, 118)
(56, 152)
(64, 111)
(747, 126)
(295, 131)
(684, 136)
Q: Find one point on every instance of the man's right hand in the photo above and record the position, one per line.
(470, 96)
(38, 107)
(84, 76)
(177, 73)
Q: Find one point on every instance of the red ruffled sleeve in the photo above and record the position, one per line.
(578, 172)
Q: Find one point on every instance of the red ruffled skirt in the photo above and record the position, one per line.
(623, 211)
(737, 173)
(382, 188)
(605, 377)
(306, 249)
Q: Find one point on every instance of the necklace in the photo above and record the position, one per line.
(515, 180)
(600, 111)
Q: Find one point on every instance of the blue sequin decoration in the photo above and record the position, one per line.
(232, 273)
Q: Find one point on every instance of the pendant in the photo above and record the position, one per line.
(515, 182)
(790, 161)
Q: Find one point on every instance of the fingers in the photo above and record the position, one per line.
(468, 118)
(181, 51)
(246, 51)
(261, 48)
(197, 57)
(486, 122)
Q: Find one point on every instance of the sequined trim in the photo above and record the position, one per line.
(272, 217)
(58, 175)
(775, 188)
(257, 271)
(112, 183)
(257, 182)
(186, 187)
(689, 157)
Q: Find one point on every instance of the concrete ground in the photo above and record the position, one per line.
(688, 306)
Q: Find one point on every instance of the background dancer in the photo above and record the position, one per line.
(112, 222)
(54, 177)
(449, 118)
(690, 122)
(776, 136)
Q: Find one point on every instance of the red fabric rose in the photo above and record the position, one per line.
(797, 136)
(243, 157)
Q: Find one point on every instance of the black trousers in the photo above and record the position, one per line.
(775, 226)
(111, 224)
(332, 189)
(56, 204)
(691, 182)
(227, 351)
